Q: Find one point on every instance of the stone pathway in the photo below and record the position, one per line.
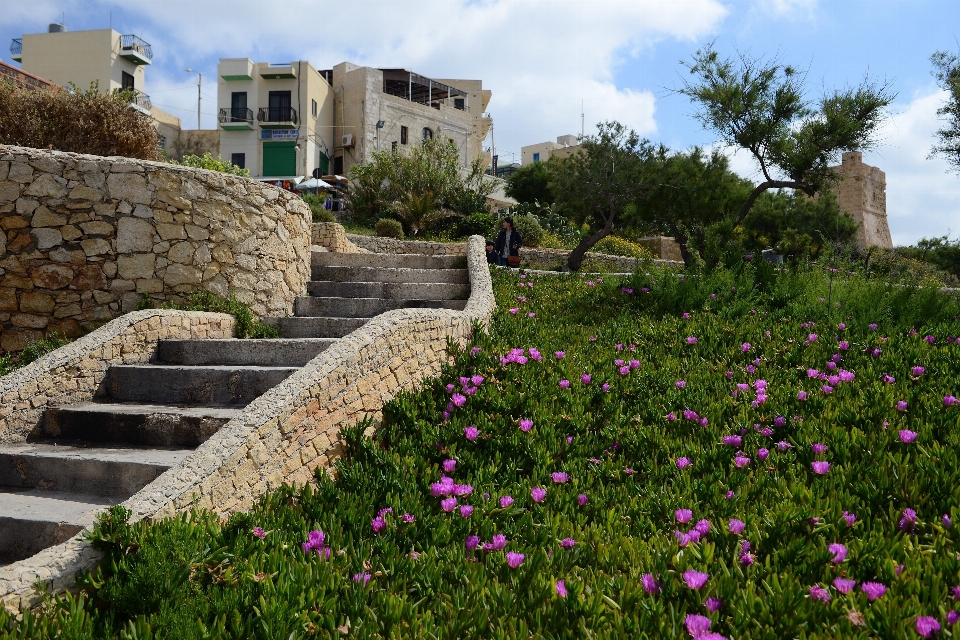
(147, 418)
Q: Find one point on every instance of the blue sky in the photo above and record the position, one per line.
(542, 57)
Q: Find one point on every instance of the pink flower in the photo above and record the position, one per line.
(448, 504)
(696, 625)
(378, 524)
(818, 448)
(901, 406)
(514, 310)
(735, 526)
(538, 494)
(683, 515)
(762, 454)
(680, 384)
(260, 533)
(917, 371)
(470, 433)
(567, 543)
(475, 351)
(888, 379)
(408, 518)
(560, 355)
(820, 467)
(526, 425)
(714, 604)
(605, 386)
(564, 384)
(827, 389)
(819, 593)
(458, 399)
(650, 584)
(683, 463)
(741, 461)
(471, 543)
(745, 347)
(561, 589)
(949, 401)
(953, 617)
(497, 543)
(531, 315)
(505, 501)
(909, 520)
(695, 579)
(514, 560)
(691, 340)
(624, 370)
(559, 477)
(801, 395)
(907, 436)
(585, 378)
(839, 552)
(927, 627)
(733, 441)
(783, 445)
(362, 577)
(582, 499)
(844, 585)
(850, 518)
(874, 590)
(670, 417)
(466, 511)
(449, 465)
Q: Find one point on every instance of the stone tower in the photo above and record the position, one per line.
(862, 193)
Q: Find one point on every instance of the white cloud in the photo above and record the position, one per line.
(539, 57)
(789, 8)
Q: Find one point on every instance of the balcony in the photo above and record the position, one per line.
(16, 49)
(278, 118)
(135, 50)
(138, 100)
(236, 119)
(281, 71)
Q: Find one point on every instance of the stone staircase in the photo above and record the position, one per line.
(147, 418)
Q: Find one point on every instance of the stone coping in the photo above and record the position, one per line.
(289, 432)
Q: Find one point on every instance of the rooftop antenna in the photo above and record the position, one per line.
(581, 119)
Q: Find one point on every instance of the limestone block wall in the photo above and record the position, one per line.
(332, 236)
(84, 237)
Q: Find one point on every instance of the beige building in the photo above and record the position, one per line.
(275, 120)
(113, 60)
(543, 151)
(862, 193)
(282, 121)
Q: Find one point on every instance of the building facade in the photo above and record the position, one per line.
(543, 151)
(282, 121)
(275, 120)
(862, 193)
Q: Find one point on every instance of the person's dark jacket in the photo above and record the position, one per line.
(491, 255)
(515, 242)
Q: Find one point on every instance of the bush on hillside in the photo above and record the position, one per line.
(207, 161)
(315, 202)
(617, 246)
(389, 228)
(79, 121)
(529, 229)
(477, 224)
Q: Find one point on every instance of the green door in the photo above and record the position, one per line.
(279, 158)
(324, 165)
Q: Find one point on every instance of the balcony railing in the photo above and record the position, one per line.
(16, 49)
(136, 50)
(236, 114)
(138, 100)
(278, 115)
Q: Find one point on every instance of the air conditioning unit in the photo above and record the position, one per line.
(347, 140)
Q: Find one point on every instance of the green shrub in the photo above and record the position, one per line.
(479, 224)
(315, 202)
(80, 121)
(529, 229)
(389, 228)
(207, 161)
(247, 324)
(33, 351)
(617, 246)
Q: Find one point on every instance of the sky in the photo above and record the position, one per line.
(548, 61)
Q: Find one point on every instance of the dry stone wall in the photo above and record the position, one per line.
(84, 237)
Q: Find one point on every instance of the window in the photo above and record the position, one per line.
(536, 157)
(126, 81)
(427, 133)
(239, 159)
(403, 135)
(313, 108)
(280, 106)
(238, 106)
(459, 103)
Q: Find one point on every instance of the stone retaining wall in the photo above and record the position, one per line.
(392, 245)
(290, 431)
(84, 237)
(332, 236)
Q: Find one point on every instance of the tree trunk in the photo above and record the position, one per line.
(575, 259)
(683, 242)
(771, 184)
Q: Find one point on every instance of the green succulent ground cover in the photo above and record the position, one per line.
(747, 541)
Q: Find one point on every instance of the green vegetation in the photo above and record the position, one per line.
(80, 121)
(315, 202)
(247, 325)
(531, 184)
(389, 228)
(623, 458)
(13, 361)
(207, 161)
(946, 69)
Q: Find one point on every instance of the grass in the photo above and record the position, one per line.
(609, 550)
(12, 361)
(247, 324)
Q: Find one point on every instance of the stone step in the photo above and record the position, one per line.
(365, 307)
(32, 520)
(104, 471)
(368, 273)
(388, 290)
(386, 260)
(203, 385)
(316, 327)
(267, 353)
(153, 425)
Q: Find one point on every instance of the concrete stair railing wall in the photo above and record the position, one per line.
(285, 434)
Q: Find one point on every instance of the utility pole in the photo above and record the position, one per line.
(199, 85)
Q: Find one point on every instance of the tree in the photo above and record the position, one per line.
(947, 72)
(598, 184)
(797, 225)
(691, 192)
(418, 188)
(531, 184)
(761, 106)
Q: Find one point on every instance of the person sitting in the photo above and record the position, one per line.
(507, 247)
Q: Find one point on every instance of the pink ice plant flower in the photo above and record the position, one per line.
(362, 577)
(564, 384)
(582, 499)
(873, 590)
(839, 552)
(538, 494)
(741, 460)
(844, 585)
(850, 518)
(470, 433)
(683, 463)
(505, 501)
(560, 355)
(514, 560)
(650, 584)
(819, 593)
(568, 543)
(378, 524)
(561, 589)
(585, 378)
(691, 340)
(901, 406)
(907, 436)
(466, 511)
(683, 515)
(449, 465)
(820, 467)
(927, 627)
(497, 543)
(695, 579)
(260, 533)
(559, 477)
(526, 425)
(448, 504)
(735, 526)
(818, 448)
